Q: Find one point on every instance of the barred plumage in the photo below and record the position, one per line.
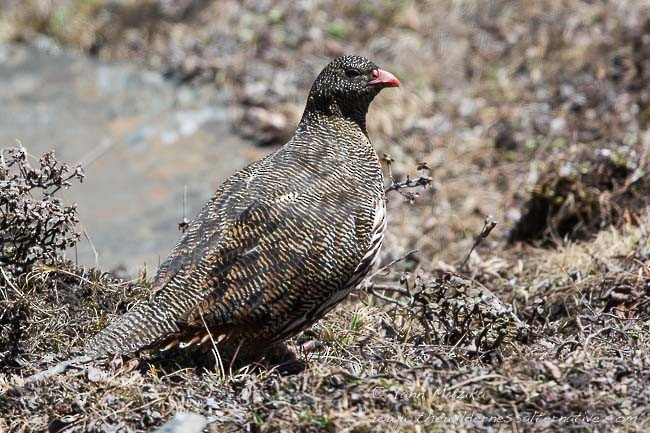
(282, 241)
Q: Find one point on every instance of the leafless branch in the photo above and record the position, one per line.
(488, 225)
(182, 226)
(423, 180)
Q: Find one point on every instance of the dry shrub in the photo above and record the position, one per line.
(53, 308)
(44, 300)
(447, 310)
(579, 195)
(35, 226)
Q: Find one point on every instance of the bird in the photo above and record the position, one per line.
(281, 242)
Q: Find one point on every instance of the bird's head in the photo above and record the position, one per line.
(347, 86)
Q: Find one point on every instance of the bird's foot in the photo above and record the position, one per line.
(292, 358)
(296, 351)
(121, 365)
(307, 347)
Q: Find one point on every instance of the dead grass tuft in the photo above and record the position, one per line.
(577, 196)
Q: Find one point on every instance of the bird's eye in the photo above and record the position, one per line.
(352, 73)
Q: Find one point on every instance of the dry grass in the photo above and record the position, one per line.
(534, 112)
(447, 354)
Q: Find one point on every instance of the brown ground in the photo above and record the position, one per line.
(534, 112)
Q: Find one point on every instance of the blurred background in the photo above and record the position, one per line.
(534, 112)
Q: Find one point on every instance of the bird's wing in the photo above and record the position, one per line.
(203, 231)
(254, 249)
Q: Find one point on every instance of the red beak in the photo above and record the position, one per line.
(383, 79)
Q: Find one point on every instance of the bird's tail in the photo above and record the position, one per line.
(142, 327)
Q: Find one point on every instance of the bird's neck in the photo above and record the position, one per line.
(318, 112)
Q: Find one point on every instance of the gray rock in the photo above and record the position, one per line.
(185, 422)
(141, 139)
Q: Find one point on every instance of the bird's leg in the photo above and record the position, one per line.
(308, 346)
(119, 365)
(288, 354)
(294, 356)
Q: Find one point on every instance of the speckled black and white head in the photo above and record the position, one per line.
(346, 87)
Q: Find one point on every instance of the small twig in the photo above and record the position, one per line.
(127, 408)
(571, 342)
(45, 269)
(383, 268)
(472, 380)
(386, 298)
(182, 226)
(602, 331)
(389, 160)
(410, 183)
(423, 180)
(11, 284)
(217, 355)
(391, 288)
(95, 153)
(488, 225)
(92, 245)
(58, 369)
(234, 357)
(577, 289)
(460, 340)
(373, 288)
